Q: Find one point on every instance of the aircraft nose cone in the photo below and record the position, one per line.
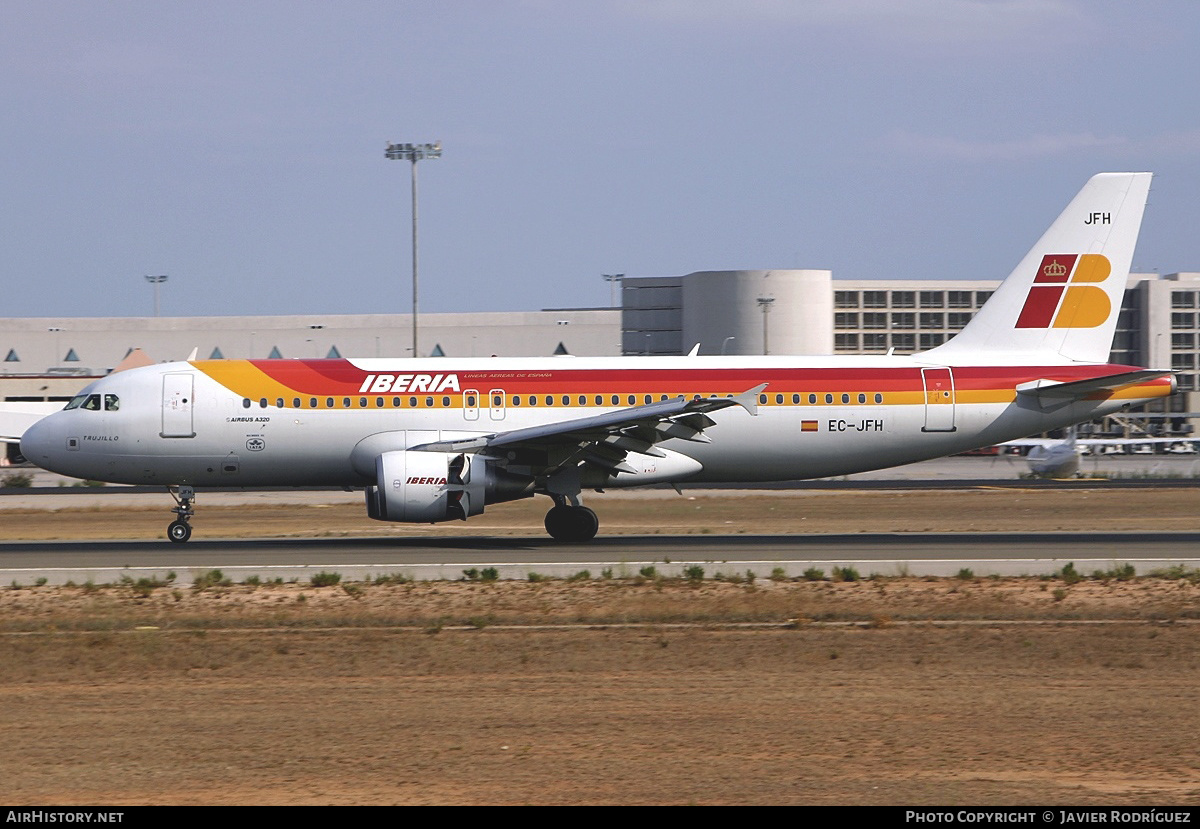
(38, 443)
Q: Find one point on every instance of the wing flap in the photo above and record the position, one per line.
(662, 420)
(605, 440)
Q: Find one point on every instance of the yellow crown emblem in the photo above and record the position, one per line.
(1055, 269)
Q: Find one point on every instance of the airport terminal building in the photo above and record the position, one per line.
(725, 312)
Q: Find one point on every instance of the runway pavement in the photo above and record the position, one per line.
(356, 559)
(424, 558)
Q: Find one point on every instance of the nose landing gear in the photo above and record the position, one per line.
(180, 530)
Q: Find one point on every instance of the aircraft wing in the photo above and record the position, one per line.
(15, 418)
(605, 440)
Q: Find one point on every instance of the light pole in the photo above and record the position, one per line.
(765, 303)
(414, 153)
(725, 342)
(156, 281)
(612, 279)
(56, 331)
(315, 329)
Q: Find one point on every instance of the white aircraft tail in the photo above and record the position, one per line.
(1062, 301)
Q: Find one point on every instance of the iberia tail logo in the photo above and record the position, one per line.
(1060, 296)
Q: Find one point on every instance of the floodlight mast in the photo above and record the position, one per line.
(156, 280)
(765, 303)
(414, 153)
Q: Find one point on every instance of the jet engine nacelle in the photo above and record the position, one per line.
(427, 487)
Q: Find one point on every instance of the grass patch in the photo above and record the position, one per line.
(846, 573)
(212, 578)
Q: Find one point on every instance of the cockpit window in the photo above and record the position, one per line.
(92, 403)
(76, 402)
(112, 402)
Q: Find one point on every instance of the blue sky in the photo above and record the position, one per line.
(238, 146)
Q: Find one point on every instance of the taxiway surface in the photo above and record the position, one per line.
(357, 559)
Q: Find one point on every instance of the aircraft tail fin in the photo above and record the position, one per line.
(1062, 301)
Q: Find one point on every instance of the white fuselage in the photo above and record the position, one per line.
(319, 423)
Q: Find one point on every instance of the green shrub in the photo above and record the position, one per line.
(693, 572)
(213, 578)
(1069, 574)
(489, 574)
(324, 579)
(17, 480)
(846, 573)
(814, 574)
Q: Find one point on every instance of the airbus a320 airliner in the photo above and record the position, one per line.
(436, 440)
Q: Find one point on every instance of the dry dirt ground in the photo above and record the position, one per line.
(888, 691)
(977, 509)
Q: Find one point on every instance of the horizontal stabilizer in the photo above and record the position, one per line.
(1051, 392)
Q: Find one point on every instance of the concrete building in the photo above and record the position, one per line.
(45, 358)
(814, 314)
(725, 312)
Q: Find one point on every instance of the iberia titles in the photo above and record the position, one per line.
(402, 383)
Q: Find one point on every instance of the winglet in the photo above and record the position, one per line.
(695, 350)
(748, 399)
(195, 351)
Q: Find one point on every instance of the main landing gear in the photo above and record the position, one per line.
(180, 530)
(567, 522)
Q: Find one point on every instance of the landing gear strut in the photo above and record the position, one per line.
(571, 523)
(180, 530)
